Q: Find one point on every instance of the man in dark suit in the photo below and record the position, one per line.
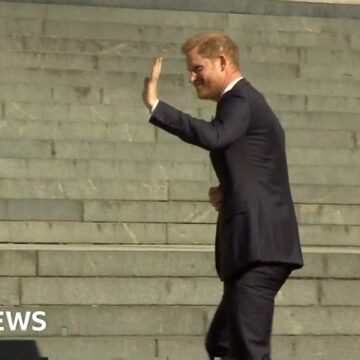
(257, 241)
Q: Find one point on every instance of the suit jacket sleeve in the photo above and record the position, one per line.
(230, 123)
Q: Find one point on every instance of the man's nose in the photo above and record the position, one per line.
(192, 77)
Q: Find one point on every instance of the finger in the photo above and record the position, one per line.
(160, 64)
(216, 200)
(212, 190)
(146, 87)
(156, 70)
(153, 70)
(216, 195)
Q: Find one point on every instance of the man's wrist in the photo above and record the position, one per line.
(153, 107)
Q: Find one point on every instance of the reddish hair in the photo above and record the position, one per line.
(211, 44)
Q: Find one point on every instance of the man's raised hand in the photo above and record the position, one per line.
(150, 93)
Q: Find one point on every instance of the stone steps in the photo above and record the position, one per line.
(52, 92)
(191, 347)
(127, 233)
(201, 212)
(160, 260)
(319, 120)
(140, 145)
(163, 291)
(192, 18)
(147, 295)
(330, 277)
(108, 116)
(295, 34)
(341, 106)
(49, 91)
(158, 170)
(152, 190)
(130, 76)
(67, 57)
(49, 19)
(46, 48)
(100, 117)
(91, 53)
(185, 320)
(259, 70)
(192, 212)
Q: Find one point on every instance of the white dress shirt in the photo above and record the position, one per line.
(231, 85)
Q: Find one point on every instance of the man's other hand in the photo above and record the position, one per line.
(216, 197)
(150, 93)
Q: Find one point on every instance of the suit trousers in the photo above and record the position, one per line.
(242, 324)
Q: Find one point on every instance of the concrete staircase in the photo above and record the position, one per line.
(105, 223)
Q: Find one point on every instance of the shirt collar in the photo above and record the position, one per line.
(232, 84)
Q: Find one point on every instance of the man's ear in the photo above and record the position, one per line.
(223, 62)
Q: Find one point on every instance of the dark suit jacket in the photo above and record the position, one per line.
(256, 221)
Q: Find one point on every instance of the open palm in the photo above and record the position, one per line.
(150, 92)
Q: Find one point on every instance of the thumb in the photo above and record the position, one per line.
(146, 81)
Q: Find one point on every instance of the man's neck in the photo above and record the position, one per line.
(232, 77)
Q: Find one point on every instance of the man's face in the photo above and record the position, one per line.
(206, 75)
